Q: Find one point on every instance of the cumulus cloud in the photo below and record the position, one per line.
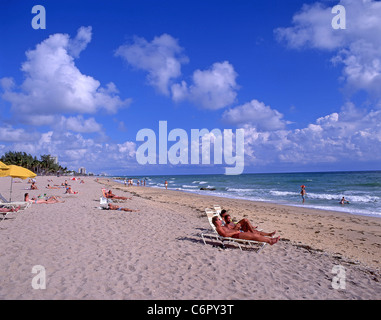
(80, 42)
(54, 85)
(78, 124)
(161, 58)
(357, 48)
(74, 150)
(10, 134)
(256, 114)
(351, 134)
(214, 88)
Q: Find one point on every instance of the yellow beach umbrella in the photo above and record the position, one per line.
(16, 172)
(3, 166)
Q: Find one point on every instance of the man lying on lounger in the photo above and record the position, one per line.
(114, 207)
(225, 231)
(243, 225)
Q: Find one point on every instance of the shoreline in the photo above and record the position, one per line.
(307, 207)
(331, 204)
(361, 230)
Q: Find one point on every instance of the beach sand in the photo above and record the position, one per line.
(157, 253)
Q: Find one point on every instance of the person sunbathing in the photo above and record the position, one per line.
(225, 231)
(49, 187)
(114, 207)
(49, 200)
(243, 225)
(6, 210)
(70, 191)
(110, 195)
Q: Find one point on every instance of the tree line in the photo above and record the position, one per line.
(46, 164)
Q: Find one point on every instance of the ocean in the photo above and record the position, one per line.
(324, 189)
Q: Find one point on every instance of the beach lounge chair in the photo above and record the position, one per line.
(14, 204)
(103, 202)
(210, 212)
(217, 208)
(104, 191)
(213, 234)
(6, 204)
(4, 214)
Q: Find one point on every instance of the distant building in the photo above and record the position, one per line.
(82, 170)
(55, 159)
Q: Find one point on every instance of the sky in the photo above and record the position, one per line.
(86, 80)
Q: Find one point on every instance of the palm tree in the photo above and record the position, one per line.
(45, 165)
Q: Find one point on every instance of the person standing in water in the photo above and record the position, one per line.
(303, 192)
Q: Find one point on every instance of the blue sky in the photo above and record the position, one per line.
(307, 95)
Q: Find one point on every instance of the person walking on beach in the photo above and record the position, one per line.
(303, 192)
(166, 184)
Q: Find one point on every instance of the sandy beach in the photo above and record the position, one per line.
(157, 253)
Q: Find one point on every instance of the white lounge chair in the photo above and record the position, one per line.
(104, 191)
(213, 234)
(103, 202)
(217, 208)
(4, 214)
(14, 204)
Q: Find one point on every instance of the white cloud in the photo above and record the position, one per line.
(357, 48)
(78, 124)
(74, 150)
(161, 58)
(213, 89)
(80, 42)
(11, 134)
(255, 114)
(351, 134)
(127, 148)
(54, 85)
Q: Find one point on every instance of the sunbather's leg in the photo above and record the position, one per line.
(266, 234)
(256, 237)
(128, 210)
(246, 225)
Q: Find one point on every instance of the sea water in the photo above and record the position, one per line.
(324, 189)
